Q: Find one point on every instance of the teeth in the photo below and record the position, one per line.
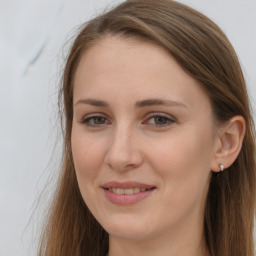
(119, 191)
(127, 191)
(136, 190)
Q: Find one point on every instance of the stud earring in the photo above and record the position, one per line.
(221, 166)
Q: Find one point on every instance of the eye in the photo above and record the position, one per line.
(95, 121)
(160, 120)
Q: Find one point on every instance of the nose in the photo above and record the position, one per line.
(123, 152)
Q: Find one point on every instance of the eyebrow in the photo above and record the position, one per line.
(138, 104)
(154, 102)
(93, 102)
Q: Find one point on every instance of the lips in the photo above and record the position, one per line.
(126, 193)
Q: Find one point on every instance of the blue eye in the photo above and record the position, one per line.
(94, 121)
(160, 120)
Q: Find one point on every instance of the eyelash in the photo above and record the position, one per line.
(168, 119)
(90, 118)
(86, 121)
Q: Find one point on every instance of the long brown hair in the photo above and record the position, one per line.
(204, 52)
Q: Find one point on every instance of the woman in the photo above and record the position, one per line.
(158, 139)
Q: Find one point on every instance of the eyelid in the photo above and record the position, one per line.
(96, 114)
(161, 114)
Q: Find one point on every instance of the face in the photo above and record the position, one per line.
(142, 140)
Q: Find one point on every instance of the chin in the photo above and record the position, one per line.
(129, 230)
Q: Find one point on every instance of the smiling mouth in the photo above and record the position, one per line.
(127, 191)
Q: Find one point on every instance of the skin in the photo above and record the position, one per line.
(124, 142)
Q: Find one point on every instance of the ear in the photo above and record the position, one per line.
(229, 142)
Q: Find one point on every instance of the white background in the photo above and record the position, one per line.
(33, 34)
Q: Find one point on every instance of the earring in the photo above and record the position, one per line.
(221, 166)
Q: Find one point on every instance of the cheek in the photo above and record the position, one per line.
(189, 147)
(183, 162)
(87, 156)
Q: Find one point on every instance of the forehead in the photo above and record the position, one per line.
(134, 68)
